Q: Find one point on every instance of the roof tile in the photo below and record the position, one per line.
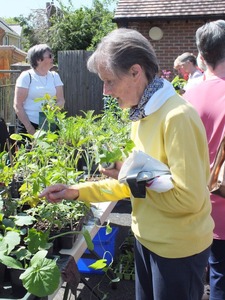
(166, 8)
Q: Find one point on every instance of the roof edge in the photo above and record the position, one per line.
(180, 17)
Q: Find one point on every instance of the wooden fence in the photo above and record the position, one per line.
(7, 87)
(82, 89)
(6, 103)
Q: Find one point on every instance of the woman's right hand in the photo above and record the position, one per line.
(30, 129)
(58, 192)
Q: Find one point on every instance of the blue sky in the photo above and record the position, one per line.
(14, 8)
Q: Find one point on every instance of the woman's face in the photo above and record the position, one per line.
(47, 61)
(184, 68)
(124, 88)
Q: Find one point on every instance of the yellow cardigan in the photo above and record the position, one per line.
(176, 223)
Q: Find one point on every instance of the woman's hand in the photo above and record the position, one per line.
(30, 129)
(58, 192)
(114, 172)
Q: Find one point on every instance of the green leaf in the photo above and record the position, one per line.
(99, 264)
(88, 240)
(16, 137)
(36, 240)
(10, 262)
(117, 279)
(40, 255)
(22, 254)
(22, 220)
(11, 239)
(108, 229)
(42, 277)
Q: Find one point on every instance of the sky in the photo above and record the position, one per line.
(14, 8)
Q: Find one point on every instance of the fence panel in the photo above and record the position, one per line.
(83, 89)
(6, 103)
(7, 89)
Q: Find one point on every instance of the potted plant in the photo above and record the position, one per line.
(125, 266)
(24, 248)
(178, 84)
(50, 157)
(64, 217)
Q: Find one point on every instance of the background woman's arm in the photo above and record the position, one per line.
(19, 98)
(60, 96)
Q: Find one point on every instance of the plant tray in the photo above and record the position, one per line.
(104, 245)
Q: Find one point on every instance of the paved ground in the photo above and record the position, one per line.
(101, 284)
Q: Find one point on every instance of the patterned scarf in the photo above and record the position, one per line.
(138, 112)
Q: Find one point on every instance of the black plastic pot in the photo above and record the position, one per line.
(2, 274)
(18, 290)
(42, 120)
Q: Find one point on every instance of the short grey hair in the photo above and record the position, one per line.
(186, 56)
(121, 49)
(210, 41)
(36, 53)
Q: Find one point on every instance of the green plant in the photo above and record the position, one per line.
(98, 139)
(178, 83)
(47, 158)
(54, 217)
(24, 247)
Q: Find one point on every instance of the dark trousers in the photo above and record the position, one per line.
(217, 270)
(159, 278)
(21, 128)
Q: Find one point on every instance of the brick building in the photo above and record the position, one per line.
(170, 25)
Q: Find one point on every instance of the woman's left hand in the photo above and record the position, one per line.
(114, 172)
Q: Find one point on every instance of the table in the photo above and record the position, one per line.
(101, 212)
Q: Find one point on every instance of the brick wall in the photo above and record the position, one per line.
(178, 37)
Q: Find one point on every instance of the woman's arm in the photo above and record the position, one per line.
(60, 96)
(58, 192)
(19, 98)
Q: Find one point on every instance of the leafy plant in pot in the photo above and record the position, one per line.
(98, 139)
(60, 218)
(25, 248)
(53, 157)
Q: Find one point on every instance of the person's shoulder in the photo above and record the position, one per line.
(26, 73)
(53, 73)
(197, 74)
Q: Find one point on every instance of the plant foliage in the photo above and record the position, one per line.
(66, 28)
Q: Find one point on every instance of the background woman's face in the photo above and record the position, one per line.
(47, 59)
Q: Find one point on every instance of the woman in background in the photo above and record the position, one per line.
(186, 65)
(35, 83)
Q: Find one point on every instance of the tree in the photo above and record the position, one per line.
(67, 29)
(10, 21)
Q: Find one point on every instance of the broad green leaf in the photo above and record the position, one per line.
(40, 255)
(12, 239)
(10, 262)
(21, 220)
(36, 240)
(99, 264)
(42, 277)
